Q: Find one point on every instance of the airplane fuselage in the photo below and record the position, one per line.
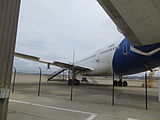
(121, 58)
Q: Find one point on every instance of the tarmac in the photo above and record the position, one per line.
(90, 101)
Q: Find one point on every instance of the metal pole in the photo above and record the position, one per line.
(40, 79)
(68, 74)
(113, 91)
(73, 76)
(146, 91)
(14, 79)
(63, 76)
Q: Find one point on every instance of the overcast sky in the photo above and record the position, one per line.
(53, 29)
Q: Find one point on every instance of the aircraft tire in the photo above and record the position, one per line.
(120, 83)
(75, 82)
(125, 84)
(115, 83)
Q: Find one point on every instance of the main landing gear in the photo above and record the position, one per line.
(120, 82)
(75, 82)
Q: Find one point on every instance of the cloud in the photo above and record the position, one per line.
(53, 29)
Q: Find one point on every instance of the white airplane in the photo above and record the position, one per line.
(123, 57)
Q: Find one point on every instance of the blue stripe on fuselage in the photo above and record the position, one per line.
(126, 62)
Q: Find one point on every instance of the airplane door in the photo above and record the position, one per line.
(124, 48)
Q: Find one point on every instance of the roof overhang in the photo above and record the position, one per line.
(139, 20)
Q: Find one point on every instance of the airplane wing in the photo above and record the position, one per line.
(55, 63)
(32, 58)
(138, 20)
(70, 66)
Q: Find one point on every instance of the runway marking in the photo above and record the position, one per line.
(131, 119)
(93, 115)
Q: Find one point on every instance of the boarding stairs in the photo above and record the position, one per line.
(55, 73)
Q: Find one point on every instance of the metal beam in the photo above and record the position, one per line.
(9, 12)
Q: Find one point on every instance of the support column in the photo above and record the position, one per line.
(9, 12)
